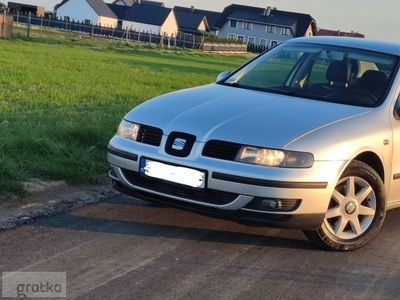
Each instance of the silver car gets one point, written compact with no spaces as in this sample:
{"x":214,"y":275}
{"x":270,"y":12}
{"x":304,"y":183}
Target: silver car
{"x":305,"y":136}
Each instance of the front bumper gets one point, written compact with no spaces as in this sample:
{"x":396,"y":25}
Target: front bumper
{"x":232,"y":191}
{"x":242,"y":216}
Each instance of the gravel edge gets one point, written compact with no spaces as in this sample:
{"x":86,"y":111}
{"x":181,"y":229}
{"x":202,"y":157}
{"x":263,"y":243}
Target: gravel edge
{"x":50,"y":201}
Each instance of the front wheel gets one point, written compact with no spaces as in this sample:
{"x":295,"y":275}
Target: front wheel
{"x":356,"y":210}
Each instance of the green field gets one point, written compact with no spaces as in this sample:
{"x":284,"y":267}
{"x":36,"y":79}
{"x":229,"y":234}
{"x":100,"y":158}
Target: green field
{"x":61,"y":102}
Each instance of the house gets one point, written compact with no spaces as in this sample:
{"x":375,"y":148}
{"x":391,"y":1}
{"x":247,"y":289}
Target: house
{"x":87,"y":11}
{"x":131,"y":2}
{"x":21,"y":8}
{"x":327,"y":32}
{"x":152,"y":19}
{"x":190,"y":22}
{"x":263,"y":26}
{"x":211,"y":16}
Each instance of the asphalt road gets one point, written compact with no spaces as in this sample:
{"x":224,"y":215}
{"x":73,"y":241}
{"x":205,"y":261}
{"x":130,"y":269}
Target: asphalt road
{"x":127,"y":249}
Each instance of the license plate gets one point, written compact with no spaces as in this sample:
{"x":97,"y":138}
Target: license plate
{"x":181,"y":175}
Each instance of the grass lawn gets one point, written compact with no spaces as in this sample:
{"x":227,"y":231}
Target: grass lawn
{"x":61,"y":102}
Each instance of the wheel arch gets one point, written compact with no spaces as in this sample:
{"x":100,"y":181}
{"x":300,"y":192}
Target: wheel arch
{"x":373,"y":160}
{"x":334,"y":235}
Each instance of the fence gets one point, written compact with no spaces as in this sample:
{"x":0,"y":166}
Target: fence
{"x":181,"y":40}
{"x":224,"y":47}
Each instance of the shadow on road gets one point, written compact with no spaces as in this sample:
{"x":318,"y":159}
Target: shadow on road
{"x":161,"y":226}
{"x":129,"y":216}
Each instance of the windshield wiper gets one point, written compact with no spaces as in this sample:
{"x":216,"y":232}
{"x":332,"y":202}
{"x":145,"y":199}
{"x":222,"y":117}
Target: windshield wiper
{"x":231,"y":83}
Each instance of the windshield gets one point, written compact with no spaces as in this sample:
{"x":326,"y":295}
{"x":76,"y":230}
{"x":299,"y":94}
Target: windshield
{"x":321,"y":72}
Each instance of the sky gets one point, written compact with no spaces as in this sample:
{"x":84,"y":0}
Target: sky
{"x":375,"y":19}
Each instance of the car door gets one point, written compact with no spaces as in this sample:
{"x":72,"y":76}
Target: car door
{"x":394,"y":194}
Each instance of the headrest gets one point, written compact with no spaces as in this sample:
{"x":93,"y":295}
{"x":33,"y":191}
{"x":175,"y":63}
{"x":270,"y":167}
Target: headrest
{"x":339,"y":72}
{"x":373,"y":79}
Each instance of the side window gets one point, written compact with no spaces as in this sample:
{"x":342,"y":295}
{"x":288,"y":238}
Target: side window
{"x":397,"y":109}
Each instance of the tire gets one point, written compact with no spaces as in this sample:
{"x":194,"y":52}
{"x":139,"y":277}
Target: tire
{"x":356,"y":210}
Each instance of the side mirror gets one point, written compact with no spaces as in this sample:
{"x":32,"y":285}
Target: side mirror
{"x":222,"y":75}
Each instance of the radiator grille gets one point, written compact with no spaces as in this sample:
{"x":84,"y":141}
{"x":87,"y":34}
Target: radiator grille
{"x":221,"y":150}
{"x":149,"y":135}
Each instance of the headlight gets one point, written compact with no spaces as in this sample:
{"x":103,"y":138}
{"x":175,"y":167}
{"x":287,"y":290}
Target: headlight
{"x":128,"y":130}
{"x":274,"y":158}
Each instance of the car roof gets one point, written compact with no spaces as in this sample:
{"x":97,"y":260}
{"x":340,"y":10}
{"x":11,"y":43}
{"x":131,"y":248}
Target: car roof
{"x":366,"y":44}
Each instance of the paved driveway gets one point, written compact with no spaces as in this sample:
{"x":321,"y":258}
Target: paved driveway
{"x":128,"y":249}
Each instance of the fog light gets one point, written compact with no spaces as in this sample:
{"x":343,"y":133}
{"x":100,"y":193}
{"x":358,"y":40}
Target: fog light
{"x":270,"y":204}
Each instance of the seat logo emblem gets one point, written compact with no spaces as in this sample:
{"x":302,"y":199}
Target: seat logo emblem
{"x":179,"y":144}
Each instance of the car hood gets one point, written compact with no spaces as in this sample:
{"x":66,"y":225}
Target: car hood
{"x":239,"y":115}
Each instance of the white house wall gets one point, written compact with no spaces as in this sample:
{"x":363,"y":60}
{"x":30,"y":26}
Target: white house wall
{"x":107,"y":22}
{"x":309,"y":31}
{"x":77,"y":10}
{"x":202,"y":26}
{"x":170,"y":26}
{"x":141,"y":27}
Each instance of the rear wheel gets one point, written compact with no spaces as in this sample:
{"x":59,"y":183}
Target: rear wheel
{"x":356,"y":210}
